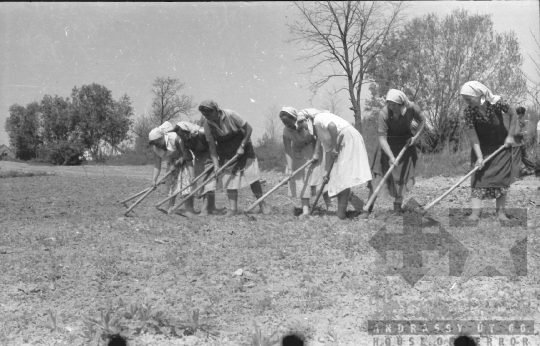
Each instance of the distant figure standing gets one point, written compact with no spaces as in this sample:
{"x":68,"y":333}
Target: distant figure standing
{"x":519,"y":151}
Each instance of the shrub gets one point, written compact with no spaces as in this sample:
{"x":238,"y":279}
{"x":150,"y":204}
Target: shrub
{"x":270,"y":154}
{"x":18,"y":174}
{"x":132,"y":157}
{"x":64,"y":153}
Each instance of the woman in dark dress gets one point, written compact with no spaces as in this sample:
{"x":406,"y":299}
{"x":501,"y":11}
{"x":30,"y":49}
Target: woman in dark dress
{"x":487,"y":133}
{"x":194,"y":141}
{"x":519,"y":151}
{"x":395,"y":133}
{"x":228,"y":134}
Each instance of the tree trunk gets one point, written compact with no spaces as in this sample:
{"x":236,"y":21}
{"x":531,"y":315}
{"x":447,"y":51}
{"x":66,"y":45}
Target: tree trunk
{"x":358,"y":118}
{"x":356,"y":110}
{"x":355,"y":99}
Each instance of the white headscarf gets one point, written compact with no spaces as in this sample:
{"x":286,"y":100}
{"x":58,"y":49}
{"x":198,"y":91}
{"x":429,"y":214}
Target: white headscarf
{"x":398,"y":97}
{"x":189,"y":127}
{"x":309,"y":113}
{"x":291,"y":111}
{"x":160,"y":131}
{"x":477,"y":89}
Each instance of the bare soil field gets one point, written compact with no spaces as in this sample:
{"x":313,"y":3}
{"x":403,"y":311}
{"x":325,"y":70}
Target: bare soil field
{"x":73,"y":268}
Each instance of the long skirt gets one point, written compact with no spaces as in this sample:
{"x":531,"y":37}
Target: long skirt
{"x":495,"y":177}
{"x":179,"y":179}
{"x":300,"y":186}
{"x":351,"y":167}
{"x":402,"y":179}
{"x":243,"y":178}
{"x":201,"y":161}
{"x":517,"y":157}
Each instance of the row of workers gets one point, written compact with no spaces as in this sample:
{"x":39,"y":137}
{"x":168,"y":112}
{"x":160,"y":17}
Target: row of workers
{"x":311,"y":134}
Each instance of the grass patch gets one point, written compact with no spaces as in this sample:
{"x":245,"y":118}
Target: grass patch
{"x":446,"y":163}
{"x":19,"y":174}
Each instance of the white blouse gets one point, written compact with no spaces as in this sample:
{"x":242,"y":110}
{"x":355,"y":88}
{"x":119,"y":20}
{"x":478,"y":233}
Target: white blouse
{"x":321,"y":122}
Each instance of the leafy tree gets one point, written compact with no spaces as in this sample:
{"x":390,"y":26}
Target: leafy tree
{"x":118,"y":124}
{"x":431,"y":58}
{"x":99,"y":118}
{"x":346,"y":36}
{"x":23,"y":128}
{"x":61,"y":145}
{"x":168,"y":105}
{"x":57,"y":121}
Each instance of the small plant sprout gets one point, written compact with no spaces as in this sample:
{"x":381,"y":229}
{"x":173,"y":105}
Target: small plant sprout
{"x":89,"y":331}
{"x":195,"y":323}
{"x":259,"y":339}
{"x":53,"y":316}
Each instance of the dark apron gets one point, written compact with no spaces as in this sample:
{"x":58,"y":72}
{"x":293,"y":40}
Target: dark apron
{"x":405,"y":170}
{"x":197,"y":144}
{"x":497,"y":172}
{"x":227,"y":146}
{"x":517,"y":158}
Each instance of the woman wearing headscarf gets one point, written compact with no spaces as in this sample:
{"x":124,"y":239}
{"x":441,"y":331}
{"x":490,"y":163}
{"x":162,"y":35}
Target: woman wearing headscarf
{"x":194,"y":141}
{"x":228,"y":134}
{"x":487,"y":133}
{"x":519,"y":150}
{"x":351,"y":166}
{"x":395,"y":133}
{"x":168,"y":146}
{"x":299,"y":142}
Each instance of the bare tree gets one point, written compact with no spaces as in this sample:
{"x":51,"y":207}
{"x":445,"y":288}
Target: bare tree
{"x":332,"y":103}
{"x":272,"y":124}
{"x":347,"y":36}
{"x":141,"y":128}
{"x":534,"y":86}
{"x":168,"y":105}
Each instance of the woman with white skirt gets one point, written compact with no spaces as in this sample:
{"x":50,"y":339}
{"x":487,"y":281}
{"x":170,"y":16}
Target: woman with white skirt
{"x":351,"y":166}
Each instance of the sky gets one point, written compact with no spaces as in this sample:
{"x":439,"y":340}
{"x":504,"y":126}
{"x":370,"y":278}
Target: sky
{"x":234,"y":53}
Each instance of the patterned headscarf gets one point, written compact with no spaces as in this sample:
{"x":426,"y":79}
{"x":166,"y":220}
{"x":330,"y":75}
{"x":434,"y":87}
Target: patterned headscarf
{"x":477,"y":89}
{"x":160,"y":131}
{"x":398,"y":97}
{"x":186,"y":126}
